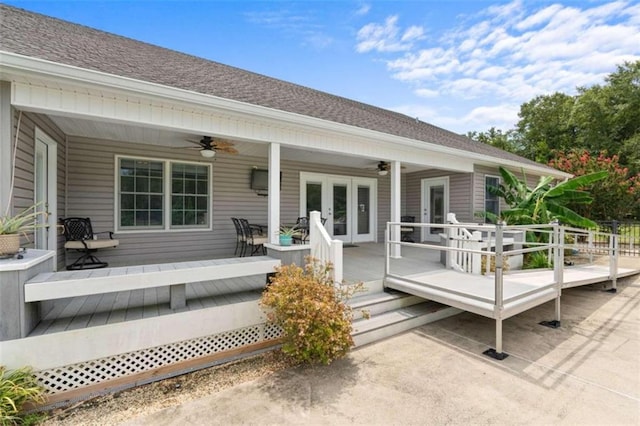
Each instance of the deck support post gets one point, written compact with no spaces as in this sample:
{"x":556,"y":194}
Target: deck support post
{"x":557,"y":243}
{"x":178,"y":296}
{"x":498,"y":303}
{"x":497,"y":352}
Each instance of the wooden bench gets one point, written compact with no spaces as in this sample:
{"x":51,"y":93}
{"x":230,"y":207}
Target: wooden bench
{"x":59,"y":285}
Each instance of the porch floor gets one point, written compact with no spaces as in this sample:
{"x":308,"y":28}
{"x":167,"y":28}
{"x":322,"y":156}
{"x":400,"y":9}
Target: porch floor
{"x":363,"y":262}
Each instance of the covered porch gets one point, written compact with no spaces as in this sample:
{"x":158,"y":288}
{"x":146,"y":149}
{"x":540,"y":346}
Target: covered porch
{"x":361,"y":263}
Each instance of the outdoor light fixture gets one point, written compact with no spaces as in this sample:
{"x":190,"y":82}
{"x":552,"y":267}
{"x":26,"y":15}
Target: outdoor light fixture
{"x":207,"y":153}
{"x":383,"y":168}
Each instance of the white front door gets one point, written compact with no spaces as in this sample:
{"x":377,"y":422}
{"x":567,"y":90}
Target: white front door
{"x":435,"y":205}
{"x":347,"y":204}
{"x":45,"y":191}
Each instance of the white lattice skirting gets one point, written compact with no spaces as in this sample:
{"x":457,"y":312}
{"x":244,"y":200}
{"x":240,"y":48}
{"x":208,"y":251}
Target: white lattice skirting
{"x":76,"y":376}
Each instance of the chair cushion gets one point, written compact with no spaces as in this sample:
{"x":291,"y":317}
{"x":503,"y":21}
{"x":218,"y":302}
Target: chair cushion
{"x":260,"y":240}
{"x":91,"y":244}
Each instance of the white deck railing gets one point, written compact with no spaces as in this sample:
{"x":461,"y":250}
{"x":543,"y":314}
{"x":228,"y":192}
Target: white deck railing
{"x":461,"y":238}
{"x":551,"y":238}
{"x":323,"y":247}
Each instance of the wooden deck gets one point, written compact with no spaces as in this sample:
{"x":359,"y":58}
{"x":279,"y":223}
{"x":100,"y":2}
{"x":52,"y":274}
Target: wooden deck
{"x":95,"y":310}
{"x":522,"y":290}
{"x":364,"y":262}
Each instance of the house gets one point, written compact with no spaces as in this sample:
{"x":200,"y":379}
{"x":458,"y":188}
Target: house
{"x":97,"y":125}
{"x":93,"y":102}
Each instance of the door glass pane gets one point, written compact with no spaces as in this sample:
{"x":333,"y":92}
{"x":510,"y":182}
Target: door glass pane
{"x":340,"y":218}
{"x":436,"y":203}
{"x":364,"y":209}
{"x":314,"y":197}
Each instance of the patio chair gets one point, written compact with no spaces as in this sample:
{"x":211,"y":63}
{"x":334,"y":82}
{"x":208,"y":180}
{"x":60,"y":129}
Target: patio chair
{"x":79,"y":236}
{"x":302,"y":235}
{"x":254,"y":241}
{"x":240,"y":240}
{"x":406,"y":232}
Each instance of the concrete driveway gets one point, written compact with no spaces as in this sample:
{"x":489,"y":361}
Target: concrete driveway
{"x":586,"y":372}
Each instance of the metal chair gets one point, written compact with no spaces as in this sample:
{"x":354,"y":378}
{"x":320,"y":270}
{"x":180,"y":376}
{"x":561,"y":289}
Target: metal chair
{"x":240,"y":240}
{"x":79,"y":236}
{"x":406,"y":232}
{"x":302,"y":234}
{"x":253,"y":240}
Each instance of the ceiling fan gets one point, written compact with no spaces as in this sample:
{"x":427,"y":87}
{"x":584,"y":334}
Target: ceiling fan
{"x":208,"y":146}
{"x":383,"y":168}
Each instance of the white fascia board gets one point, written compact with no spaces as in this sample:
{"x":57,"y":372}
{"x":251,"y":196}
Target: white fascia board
{"x":15,"y":66}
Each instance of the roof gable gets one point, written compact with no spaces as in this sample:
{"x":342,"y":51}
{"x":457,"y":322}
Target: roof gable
{"x":35,"y":35}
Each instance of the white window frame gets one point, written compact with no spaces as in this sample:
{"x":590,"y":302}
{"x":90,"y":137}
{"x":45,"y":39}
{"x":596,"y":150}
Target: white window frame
{"x":485,"y":195}
{"x":166,"y":176}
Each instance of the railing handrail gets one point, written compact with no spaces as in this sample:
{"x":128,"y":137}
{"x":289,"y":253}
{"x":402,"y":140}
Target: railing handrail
{"x":323,"y":247}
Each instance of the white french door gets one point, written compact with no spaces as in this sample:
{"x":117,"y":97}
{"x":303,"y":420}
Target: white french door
{"x":44,"y":190}
{"x":435,"y":205}
{"x":347,"y":204}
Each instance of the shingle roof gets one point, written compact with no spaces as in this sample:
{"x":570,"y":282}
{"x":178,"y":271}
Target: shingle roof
{"x":39,"y":36}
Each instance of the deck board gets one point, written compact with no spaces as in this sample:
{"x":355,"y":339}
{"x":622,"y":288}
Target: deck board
{"x":362,"y":263}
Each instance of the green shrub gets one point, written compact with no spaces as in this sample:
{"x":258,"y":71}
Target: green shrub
{"x":17,"y":388}
{"x":537,"y":260}
{"x":312,"y":312}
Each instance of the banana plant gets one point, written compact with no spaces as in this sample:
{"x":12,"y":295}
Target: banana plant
{"x":545,"y":202}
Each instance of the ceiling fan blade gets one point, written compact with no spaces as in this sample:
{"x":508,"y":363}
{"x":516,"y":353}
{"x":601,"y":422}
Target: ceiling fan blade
{"x":227,"y":150}
{"x":186,"y":147}
{"x":221,"y":144}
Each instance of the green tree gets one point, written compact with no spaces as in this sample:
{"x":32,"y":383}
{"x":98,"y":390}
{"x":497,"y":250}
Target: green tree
{"x":599,"y":118}
{"x":545,"y":202}
{"x":545,"y":125}
{"x":508,"y":141}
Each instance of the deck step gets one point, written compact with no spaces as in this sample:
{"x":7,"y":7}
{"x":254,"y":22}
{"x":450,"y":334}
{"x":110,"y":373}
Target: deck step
{"x":381,"y":302}
{"x":389,"y":323}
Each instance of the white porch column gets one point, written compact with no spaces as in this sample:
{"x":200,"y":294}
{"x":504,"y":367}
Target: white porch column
{"x":274,"y":193}
{"x":6,"y":146}
{"x":395,"y":207}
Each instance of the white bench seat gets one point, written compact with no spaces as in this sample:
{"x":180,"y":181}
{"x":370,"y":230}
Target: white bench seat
{"x":59,"y":285}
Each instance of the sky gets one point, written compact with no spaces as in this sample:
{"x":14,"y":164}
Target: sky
{"x":462,"y":65}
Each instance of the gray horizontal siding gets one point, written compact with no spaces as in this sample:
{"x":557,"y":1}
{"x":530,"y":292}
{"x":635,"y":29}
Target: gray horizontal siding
{"x":479,"y":185}
{"x":91,"y":166}
{"x":23,"y":193}
{"x":459,"y":193}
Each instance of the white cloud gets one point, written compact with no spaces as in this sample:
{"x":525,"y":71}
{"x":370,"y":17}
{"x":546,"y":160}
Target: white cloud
{"x":363,"y":9}
{"x":387,"y":37}
{"x":538,"y":18}
{"x":499,"y":116}
{"x":427,"y":93}
{"x":507,"y":54}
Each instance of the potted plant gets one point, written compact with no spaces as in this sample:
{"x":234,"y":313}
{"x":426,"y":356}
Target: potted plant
{"x":286,"y":234}
{"x":12,"y":226}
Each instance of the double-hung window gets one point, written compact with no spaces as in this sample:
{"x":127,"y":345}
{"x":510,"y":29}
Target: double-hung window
{"x":159,"y":195}
{"x":491,"y":201}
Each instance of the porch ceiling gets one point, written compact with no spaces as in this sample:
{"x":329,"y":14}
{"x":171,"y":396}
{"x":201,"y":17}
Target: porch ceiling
{"x":153,"y":136}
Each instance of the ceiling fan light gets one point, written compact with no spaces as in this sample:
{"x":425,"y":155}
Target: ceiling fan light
{"x":207,"y":153}
{"x":382,"y":172}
